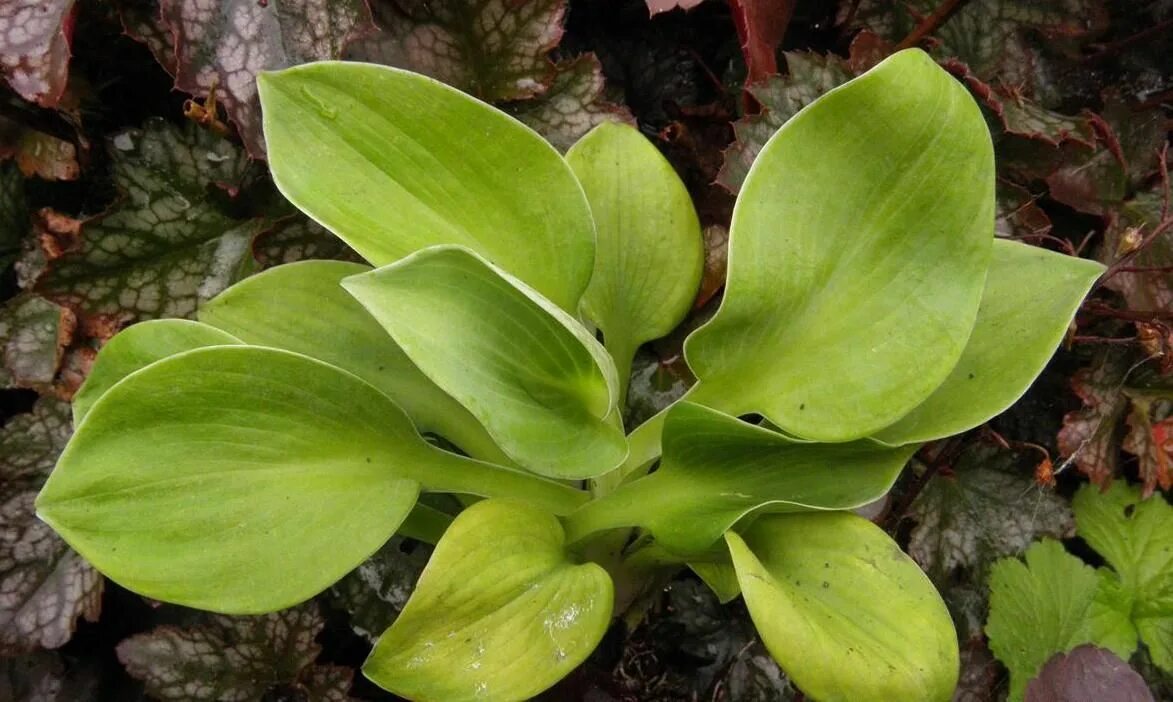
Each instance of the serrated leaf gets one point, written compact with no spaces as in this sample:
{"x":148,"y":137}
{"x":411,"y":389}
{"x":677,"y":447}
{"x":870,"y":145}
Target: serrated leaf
{"x":375,"y":592}
{"x":224,"y":46}
{"x":34,"y":48}
{"x":1090,"y":437}
{"x":224,"y":658}
{"x":142,"y":21}
{"x":1087,"y":673}
{"x":1144,"y":289}
{"x":807,"y":77}
{"x":499,"y":189}
{"x":843,"y":610}
{"x":167,"y":246}
{"x":493,"y":49}
{"x":805,"y":284}
{"x":539,"y":383}
{"x":1152,"y":444}
{"x":985,"y":508}
{"x":649,"y":253}
{"x":573,"y":105}
{"x":1135,"y":536}
{"x":44,"y":586}
{"x":138,"y":347}
{"x":1029,"y":300}
{"x":501,"y":611}
{"x":33,"y":335}
{"x":302,"y":308}
{"x":717,"y":469}
{"x":1043,"y":607}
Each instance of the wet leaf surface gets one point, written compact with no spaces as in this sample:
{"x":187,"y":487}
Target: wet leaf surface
{"x":374,"y":593}
{"x":44,"y":586}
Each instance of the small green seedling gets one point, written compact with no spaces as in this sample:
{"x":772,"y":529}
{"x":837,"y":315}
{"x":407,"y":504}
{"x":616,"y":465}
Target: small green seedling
{"x":244,"y":462}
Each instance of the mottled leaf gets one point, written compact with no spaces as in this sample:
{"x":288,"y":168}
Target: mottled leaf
{"x":493,"y":49}
{"x":1152,"y":444}
{"x":573,"y":105}
{"x":33,"y":335}
{"x":223,"y":46}
{"x":1087,"y":673}
{"x":1143,"y":290}
{"x":299,"y":239}
{"x":1044,"y":607}
{"x":36,"y":153}
{"x":1091,"y":436}
{"x":224,"y":659}
{"x":986,"y":507}
{"x":808,"y":76}
{"x":44,"y":586}
{"x":374,"y":593}
{"x":167,"y":245}
{"x":142,"y":20}
{"x":34,"y":47}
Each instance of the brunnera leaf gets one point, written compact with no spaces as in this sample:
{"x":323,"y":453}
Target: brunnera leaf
{"x":34,"y":47}
{"x":496,"y":50}
{"x":33,"y":335}
{"x":348,"y":148}
{"x":375,"y":592}
{"x":226,"y":658}
{"x":167,"y":245}
{"x":223,"y":46}
{"x":44,"y":586}
{"x":1087,"y":673}
{"x":879,"y":230}
{"x":843,"y":610}
{"x":501,"y":612}
{"x":536,"y":379}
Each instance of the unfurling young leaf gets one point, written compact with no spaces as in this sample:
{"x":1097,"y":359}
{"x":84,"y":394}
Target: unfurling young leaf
{"x":501,"y":612}
{"x":844,"y":611}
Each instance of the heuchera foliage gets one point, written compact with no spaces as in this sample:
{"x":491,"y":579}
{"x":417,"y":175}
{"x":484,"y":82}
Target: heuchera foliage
{"x":245,"y":462}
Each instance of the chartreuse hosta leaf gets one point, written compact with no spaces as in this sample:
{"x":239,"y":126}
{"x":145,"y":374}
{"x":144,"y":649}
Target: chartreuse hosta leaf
{"x":302,"y":307}
{"x":716,"y":469}
{"x":1030,"y":297}
{"x":858,"y":252}
{"x":843,"y":610}
{"x":347,"y":145}
{"x":536,"y":379}
{"x":649,"y":252}
{"x":500,"y":613}
{"x":243,"y":479}
{"x":138,"y":347}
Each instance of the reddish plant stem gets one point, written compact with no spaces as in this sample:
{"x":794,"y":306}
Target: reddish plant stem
{"x":931,"y":23}
{"x":1109,"y":50}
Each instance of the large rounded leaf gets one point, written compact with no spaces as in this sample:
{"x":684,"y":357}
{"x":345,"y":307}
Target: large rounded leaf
{"x":393,"y":162}
{"x":536,"y":379}
{"x":844,"y":611}
{"x":858,"y":252}
{"x":1030,"y":297}
{"x":139,"y":346}
{"x":717,"y":469}
{"x":243,"y":479}
{"x":302,"y":307}
{"x":500,"y":613}
{"x":649,"y":253}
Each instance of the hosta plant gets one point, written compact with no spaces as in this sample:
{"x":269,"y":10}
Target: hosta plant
{"x":244,"y":462}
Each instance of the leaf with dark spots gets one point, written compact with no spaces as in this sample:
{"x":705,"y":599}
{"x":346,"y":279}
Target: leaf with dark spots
{"x":1091,"y":436}
{"x":761,"y":24}
{"x":223,"y":45}
{"x":229,"y":658}
{"x":34,"y":47}
{"x":1087,"y":673}
{"x":44,"y":586}
{"x":167,"y":245}
{"x":142,"y":20}
{"x":33,"y":335}
{"x":495,"y":50}
{"x":298,"y":238}
{"x":375,"y":592}
{"x":985,"y":508}
{"x":808,"y":76}
{"x":36,"y":153}
{"x":573,"y":105}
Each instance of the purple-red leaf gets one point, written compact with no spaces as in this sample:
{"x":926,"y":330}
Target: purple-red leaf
{"x":1087,"y":673}
{"x":34,"y":47}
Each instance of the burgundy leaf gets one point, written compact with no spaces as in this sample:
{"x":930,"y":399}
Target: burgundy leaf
{"x":761,"y":24}
{"x":34,"y":47}
{"x":1087,"y":673}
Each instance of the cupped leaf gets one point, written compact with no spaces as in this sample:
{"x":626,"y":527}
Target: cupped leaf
{"x":649,"y":252}
{"x":536,"y":379}
{"x":232,"y":461}
{"x":844,"y":611}
{"x":348,"y":147}
{"x":717,"y":469}
{"x":301,"y":307}
{"x":138,"y":347}
{"x":858,"y":252}
{"x":501,"y":612}
{"x":1030,"y":297}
